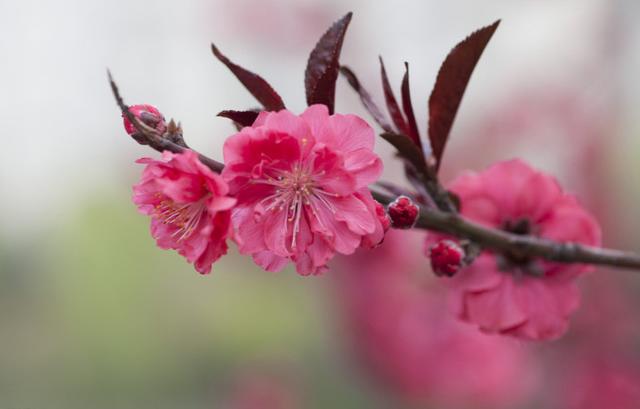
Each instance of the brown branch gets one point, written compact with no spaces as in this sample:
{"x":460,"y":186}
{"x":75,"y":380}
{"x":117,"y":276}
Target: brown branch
{"x":502,"y":241}
{"x":149,"y":136}
{"x":439,"y":220}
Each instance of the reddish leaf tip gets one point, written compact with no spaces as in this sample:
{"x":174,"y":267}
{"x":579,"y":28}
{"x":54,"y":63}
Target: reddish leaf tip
{"x":242,"y":118}
{"x":322,"y":69}
{"x":450,"y":86}
{"x":255,"y":84}
{"x":391,"y":102}
{"x":407,"y":107}
{"x":366,"y":99}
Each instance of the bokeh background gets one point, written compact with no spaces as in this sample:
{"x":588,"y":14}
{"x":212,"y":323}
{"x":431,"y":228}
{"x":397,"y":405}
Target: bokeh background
{"x":93,"y":315}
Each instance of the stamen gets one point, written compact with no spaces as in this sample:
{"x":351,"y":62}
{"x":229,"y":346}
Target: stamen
{"x":185,"y":217}
{"x":295,"y":190}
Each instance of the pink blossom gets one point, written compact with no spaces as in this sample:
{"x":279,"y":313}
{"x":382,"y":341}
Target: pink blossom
{"x":301,"y":184}
{"x":403,"y":333}
{"x":403,"y":212}
{"x":447,"y":257}
{"x":530,"y":299}
{"x":189,"y":207}
{"x":375,"y":239}
{"x":148,"y":114}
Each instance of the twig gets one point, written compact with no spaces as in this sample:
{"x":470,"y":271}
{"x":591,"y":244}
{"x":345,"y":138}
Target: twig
{"x":441,"y":221}
{"x":149,"y":136}
{"x":525,"y":245}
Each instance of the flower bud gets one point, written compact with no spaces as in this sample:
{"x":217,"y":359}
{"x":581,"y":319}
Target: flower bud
{"x":373,"y":240}
{"x":447,"y":257}
{"x":403,"y":213}
{"x":147,"y":114}
{"x":383,"y":217}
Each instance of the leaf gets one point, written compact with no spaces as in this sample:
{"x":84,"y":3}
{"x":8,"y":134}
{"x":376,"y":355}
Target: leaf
{"x":407,"y":107}
{"x":366,"y":99}
{"x":392,"y":103}
{"x":256,"y":85}
{"x":244,"y":118}
{"x":451,"y":83}
{"x":406,"y":149}
{"x":322,"y":68}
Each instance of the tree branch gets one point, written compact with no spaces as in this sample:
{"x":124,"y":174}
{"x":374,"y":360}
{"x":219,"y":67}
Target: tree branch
{"x":149,"y":136}
{"x":438,"y":220}
{"x":525,"y":245}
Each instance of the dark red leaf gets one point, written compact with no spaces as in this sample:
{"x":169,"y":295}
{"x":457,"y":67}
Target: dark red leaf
{"x":256,"y":85}
{"x":392,"y":103}
{"x":406,"y":149}
{"x":366,"y":99}
{"x":322,"y":68}
{"x":407,"y":107}
{"x":451,"y":83}
{"x":244,"y":118}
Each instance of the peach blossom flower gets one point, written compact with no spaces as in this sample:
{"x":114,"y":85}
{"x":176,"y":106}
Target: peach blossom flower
{"x":514,"y":295}
{"x":301,"y":184}
{"x":189,"y":207}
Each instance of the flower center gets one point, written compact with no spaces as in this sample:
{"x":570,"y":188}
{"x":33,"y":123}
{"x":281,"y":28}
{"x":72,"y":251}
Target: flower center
{"x":516,"y":262}
{"x":521,"y":227}
{"x":294,"y":191}
{"x":184,"y":217}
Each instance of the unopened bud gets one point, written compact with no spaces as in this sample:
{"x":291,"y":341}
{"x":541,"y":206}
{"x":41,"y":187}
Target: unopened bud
{"x":147,"y":114}
{"x":447,"y":257}
{"x":374,"y":240}
{"x":403,"y":213}
{"x":383,"y":217}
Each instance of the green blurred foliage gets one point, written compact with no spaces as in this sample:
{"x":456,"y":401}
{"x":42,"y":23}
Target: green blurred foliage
{"x":93,"y":314}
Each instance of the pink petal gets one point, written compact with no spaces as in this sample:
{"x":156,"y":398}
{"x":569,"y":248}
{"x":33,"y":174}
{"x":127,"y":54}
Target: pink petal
{"x":355,"y":214}
{"x":481,"y":275}
{"x":316,"y":116}
{"x":270,"y":261}
{"x":364,"y":165}
{"x":346,"y":133}
{"x":275,"y":232}
{"x":571,"y":224}
{"x":547,"y":308}
{"x":292,"y":125}
{"x":495,"y":310}
{"x":250,"y":234}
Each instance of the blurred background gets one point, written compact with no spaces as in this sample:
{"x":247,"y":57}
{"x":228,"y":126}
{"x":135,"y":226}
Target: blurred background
{"x":93,"y":315}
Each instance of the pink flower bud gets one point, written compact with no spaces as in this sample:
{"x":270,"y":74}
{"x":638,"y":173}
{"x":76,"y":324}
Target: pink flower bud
{"x":147,"y":114}
{"x":403,"y":213}
{"x":383,"y":217}
{"x":447,"y":257}
{"x":377,"y":237}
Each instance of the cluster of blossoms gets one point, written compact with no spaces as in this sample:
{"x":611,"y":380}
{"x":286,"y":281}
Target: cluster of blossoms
{"x":295,"y":188}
